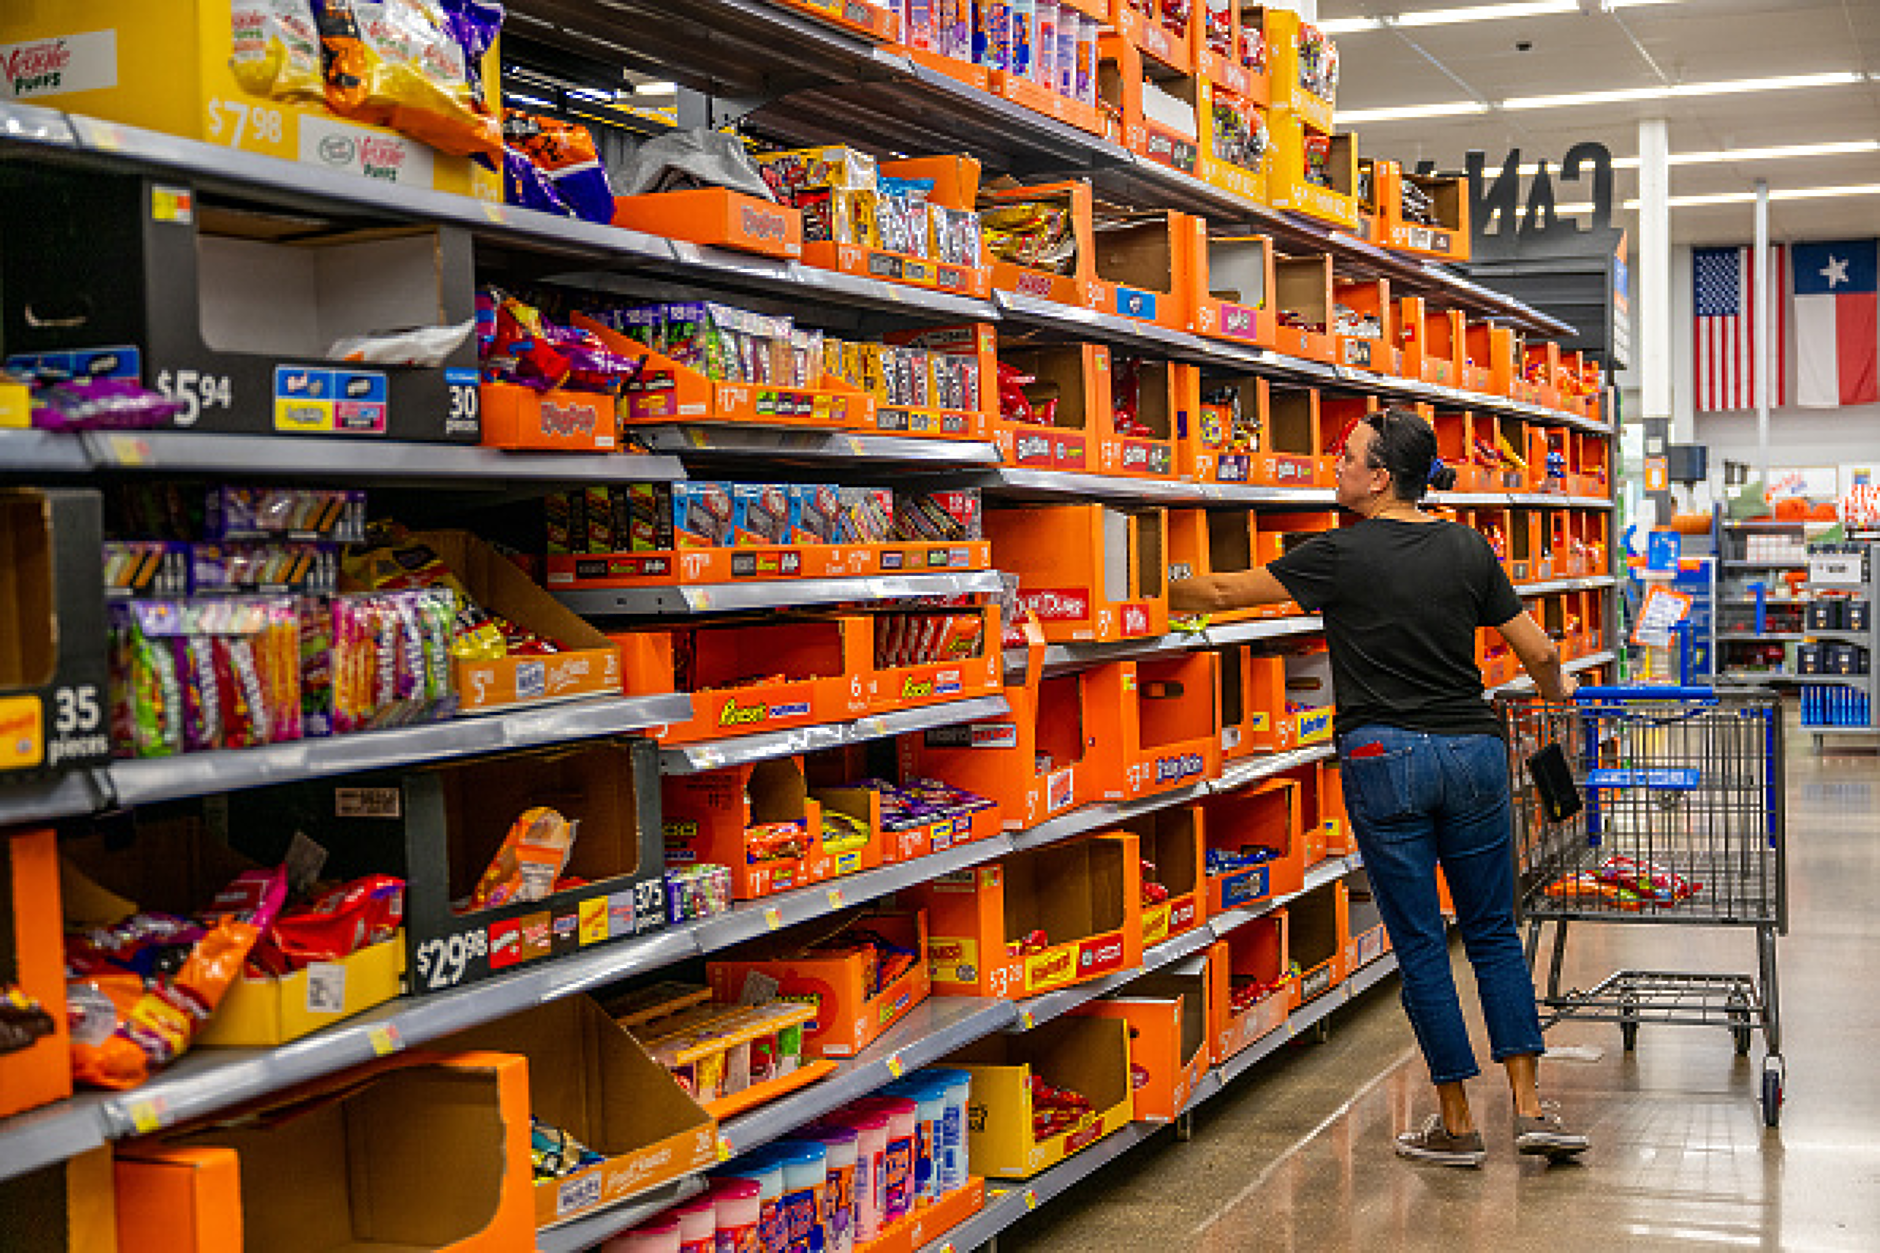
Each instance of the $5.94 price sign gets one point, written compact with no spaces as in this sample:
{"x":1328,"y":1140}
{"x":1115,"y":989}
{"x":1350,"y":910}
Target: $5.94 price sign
{"x":197,"y":392}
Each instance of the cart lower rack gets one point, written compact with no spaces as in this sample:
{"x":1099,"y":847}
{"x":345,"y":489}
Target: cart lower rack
{"x":1678,"y":821}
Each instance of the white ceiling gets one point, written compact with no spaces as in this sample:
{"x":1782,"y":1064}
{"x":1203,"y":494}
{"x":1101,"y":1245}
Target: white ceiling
{"x":1690,"y":41}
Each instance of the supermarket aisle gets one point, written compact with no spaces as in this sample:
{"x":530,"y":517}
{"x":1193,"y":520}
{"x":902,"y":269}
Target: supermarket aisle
{"x":1293,"y":1159}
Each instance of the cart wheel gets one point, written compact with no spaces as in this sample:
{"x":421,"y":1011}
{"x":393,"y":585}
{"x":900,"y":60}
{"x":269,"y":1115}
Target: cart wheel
{"x":1772,"y":1091}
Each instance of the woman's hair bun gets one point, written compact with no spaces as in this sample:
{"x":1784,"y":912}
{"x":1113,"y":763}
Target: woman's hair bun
{"x":1444,"y":479}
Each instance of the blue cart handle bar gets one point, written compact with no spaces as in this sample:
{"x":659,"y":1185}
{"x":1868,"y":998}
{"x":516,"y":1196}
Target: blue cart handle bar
{"x":1643,"y":692}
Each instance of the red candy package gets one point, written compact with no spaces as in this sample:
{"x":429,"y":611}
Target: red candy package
{"x":349,"y":918}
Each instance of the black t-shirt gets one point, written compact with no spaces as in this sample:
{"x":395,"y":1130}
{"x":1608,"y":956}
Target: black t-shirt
{"x":1402,"y":602}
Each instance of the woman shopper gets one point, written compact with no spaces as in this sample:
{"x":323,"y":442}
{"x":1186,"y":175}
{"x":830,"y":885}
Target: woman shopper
{"x":1425,"y":769}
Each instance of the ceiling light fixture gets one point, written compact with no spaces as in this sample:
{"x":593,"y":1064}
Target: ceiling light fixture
{"x":1704,"y":199}
{"x":1676,"y":91}
{"x":1727,"y":156}
{"x":1681,"y":91}
{"x":1474,"y":13}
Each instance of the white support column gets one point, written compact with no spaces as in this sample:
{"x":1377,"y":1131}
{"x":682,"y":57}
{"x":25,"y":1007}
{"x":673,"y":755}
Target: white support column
{"x":1763,"y":357}
{"x":1654,"y":272}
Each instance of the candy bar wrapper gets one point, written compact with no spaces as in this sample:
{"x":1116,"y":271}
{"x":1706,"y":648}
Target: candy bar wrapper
{"x":247,"y":567}
{"x":145,"y":569}
{"x":651,"y":518}
{"x":943,"y":517}
{"x":962,"y":636}
{"x":599,"y":510}
{"x":763,"y":514}
{"x":147,"y":705}
{"x":557,"y":537}
{"x":294,"y":513}
{"x":703,"y":515}
{"x":890,"y":629}
{"x":867,"y":515}
{"x":816,"y":513}
{"x":790,"y":174}
{"x":807,"y":357}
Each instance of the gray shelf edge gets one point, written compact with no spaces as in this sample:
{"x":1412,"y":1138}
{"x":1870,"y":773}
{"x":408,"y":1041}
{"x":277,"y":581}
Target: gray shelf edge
{"x":677,"y":439}
{"x":680,"y":599}
{"x":362,"y":458}
{"x":229,"y":770}
{"x":1253,"y":769}
{"x":717,"y":754}
{"x":52,"y":1133}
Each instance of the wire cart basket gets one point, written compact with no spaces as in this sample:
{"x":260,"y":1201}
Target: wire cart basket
{"x":1680,"y":822}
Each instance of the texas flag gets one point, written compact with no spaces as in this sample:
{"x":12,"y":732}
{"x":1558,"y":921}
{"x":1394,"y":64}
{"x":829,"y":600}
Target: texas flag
{"x":1837,"y":333}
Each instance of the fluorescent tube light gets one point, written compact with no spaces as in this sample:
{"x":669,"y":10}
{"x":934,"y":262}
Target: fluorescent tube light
{"x":1680,"y":91}
{"x":1475,"y":13}
{"x":1726,"y":156}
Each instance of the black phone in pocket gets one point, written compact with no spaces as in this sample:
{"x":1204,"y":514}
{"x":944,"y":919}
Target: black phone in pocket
{"x":1553,"y":783}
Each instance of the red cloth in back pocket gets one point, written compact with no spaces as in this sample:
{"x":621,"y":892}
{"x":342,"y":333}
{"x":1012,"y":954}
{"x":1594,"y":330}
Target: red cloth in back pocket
{"x":1367,"y":750}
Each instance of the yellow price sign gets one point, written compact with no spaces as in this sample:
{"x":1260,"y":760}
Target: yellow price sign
{"x":1031,"y":1199}
{"x":835,"y":898}
{"x":895,"y":1066}
{"x":385,"y":1040}
{"x":147,"y":1116}
{"x":773,"y":918}
{"x":725,"y":1152}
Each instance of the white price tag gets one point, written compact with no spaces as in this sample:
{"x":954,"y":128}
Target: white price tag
{"x":326,"y":988}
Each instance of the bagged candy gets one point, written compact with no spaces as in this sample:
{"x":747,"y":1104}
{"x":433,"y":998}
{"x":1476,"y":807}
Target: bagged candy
{"x":351,"y":917}
{"x":529,"y":862}
{"x":554,"y":1154}
{"x":345,"y":66}
{"x":138,"y":996}
{"x":566,"y":155}
{"x":417,"y":82}
{"x":275,"y":48}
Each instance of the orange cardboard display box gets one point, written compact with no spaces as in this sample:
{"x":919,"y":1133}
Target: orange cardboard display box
{"x":552,"y":421}
{"x":1234,"y":140}
{"x":1489,"y":355}
{"x":1303,"y":285}
{"x":817,"y":671}
{"x":1240,"y":300}
{"x":67,"y":1207}
{"x":1266,"y":815}
{"x":666,"y":391}
{"x":1459,"y":434}
{"x":1279,"y":534}
{"x":832,"y":774}
{"x":1445,"y":236}
{"x":1077,"y":286}
{"x":1369,"y":305}
{"x":1540,"y":370}
{"x":850,"y":1013}
{"x":1309,"y":694}
{"x":710,"y":817}
{"x":1317,"y":924}
{"x":1169,"y":724}
{"x":1220,"y":52}
{"x":1339,"y":838}
{"x":588,"y":665}
{"x":1125,"y":80}
{"x":1168,"y":43}
{"x":1213,"y":541}
{"x":977,"y":340}
{"x":716,"y":217}
{"x":588,"y":1076}
{"x":1091,"y":573}
{"x":1253,"y":955}
{"x":1150,"y":402}
{"x":1173,"y":847}
{"x":1494,"y":658}
{"x":1156,"y":264}
{"x":1089,"y":1056}
{"x":1075,"y":379}
{"x":1167,"y":1017}
{"x":1291,"y":455}
{"x":1309,"y":777}
{"x":1222,"y":443}
{"x":1289,"y":186}
{"x":1523,"y":545}
{"x":32,"y":956}
{"x":1047,"y":757}
{"x":1438,"y":335}
{"x":1084,"y":896}
{"x":925,"y":1224}
{"x":1253,"y":702}
{"x":425,"y":1151}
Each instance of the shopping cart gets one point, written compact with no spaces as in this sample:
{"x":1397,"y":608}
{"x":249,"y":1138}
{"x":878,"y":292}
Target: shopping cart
{"x":1681,"y":823}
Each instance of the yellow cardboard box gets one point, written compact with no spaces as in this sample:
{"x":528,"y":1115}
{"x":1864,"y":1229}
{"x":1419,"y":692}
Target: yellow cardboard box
{"x":263,"y":1013}
{"x":165,"y":67}
{"x":1085,"y":1055}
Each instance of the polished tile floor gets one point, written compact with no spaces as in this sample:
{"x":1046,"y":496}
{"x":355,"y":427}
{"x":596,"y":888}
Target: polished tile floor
{"x":1298,"y":1155}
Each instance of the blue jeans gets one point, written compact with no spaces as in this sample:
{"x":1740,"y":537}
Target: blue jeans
{"x":1421,"y":801}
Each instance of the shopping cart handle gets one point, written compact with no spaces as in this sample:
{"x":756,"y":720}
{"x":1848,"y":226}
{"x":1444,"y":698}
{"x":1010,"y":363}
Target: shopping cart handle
{"x":1645,"y":692}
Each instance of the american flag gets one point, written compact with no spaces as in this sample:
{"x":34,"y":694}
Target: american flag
{"x":1723,"y":297}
